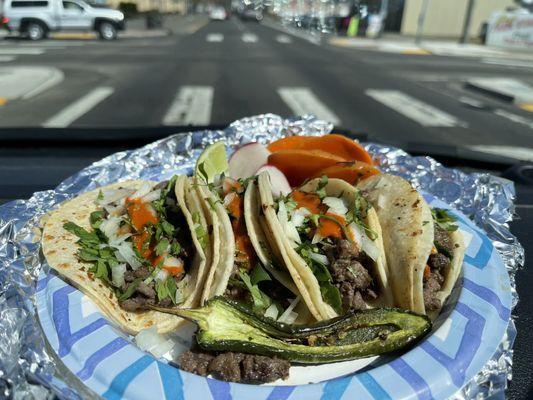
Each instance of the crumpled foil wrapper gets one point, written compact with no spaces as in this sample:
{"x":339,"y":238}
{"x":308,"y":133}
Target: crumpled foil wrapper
{"x":28,"y":370}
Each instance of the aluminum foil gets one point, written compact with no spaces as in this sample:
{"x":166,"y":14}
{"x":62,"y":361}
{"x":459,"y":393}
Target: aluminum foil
{"x":28,"y":370}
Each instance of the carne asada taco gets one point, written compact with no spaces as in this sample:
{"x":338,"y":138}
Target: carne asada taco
{"x":132,"y":245}
{"x":247,"y":269}
{"x":330,"y":239}
{"x":424,"y":247}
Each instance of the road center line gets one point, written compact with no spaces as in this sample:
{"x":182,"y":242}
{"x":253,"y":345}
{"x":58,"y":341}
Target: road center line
{"x":7,"y":58}
{"x":514,"y":118}
{"x":249,"y":38}
{"x":81,"y":106}
{"x":192,"y":105}
{"x":214,"y":37}
{"x":283,"y":39}
{"x":416,"y":110}
{"x":25,"y":51}
{"x":302,"y":101}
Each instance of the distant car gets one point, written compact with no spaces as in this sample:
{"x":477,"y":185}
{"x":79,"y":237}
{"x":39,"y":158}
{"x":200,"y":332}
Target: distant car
{"x":218,"y":14}
{"x":251,"y":14}
{"x":34,"y":19}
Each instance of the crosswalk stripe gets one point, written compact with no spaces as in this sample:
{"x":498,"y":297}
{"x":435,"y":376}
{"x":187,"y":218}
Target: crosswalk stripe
{"x":283,"y":39}
{"x":249,"y":38}
{"x":508,"y":63}
{"x":214,"y":37}
{"x":7,"y":58}
{"x":22,"y":51}
{"x":191,"y":105}
{"x":418,"y":111}
{"x":80,"y":107}
{"x":302,"y":101}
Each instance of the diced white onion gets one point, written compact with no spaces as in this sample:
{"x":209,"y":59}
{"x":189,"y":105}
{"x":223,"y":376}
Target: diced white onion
{"x":317,"y":238}
{"x":381,"y":201}
{"x":364,"y":242}
{"x":288,"y":315}
{"x":113,"y":195}
{"x":151,"y":341}
{"x":229,"y":198}
{"x":117,"y":274}
{"x":115,"y":211}
{"x":272,"y":312}
{"x":336,"y":206}
{"x":110,"y":227}
{"x":152,"y":196}
{"x":380,"y":183}
{"x":282,"y":214}
{"x":161,"y":275}
{"x":319,"y":258}
{"x":288,"y":228}
{"x":127,"y":255}
{"x":142,"y":191}
{"x":298,"y":216}
{"x":182,"y":289}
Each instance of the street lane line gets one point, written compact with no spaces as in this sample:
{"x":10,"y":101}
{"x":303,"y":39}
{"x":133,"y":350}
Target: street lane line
{"x":80,"y":107}
{"x":7,"y":58}
{"x":521,"y":153}
{"x":283,"y":39}
{"x":214,"y":37}
{"x":508,"y":63}
{"x":414,"y":109}
{"x":249,"y":38}
{"x":192,"y":105}
{"x":22,"y":51}
{"x":514,"y":118}
{"x":302,"y":101}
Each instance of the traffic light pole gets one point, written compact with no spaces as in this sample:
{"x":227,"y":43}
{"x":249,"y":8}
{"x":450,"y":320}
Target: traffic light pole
{"x":468,"y":19}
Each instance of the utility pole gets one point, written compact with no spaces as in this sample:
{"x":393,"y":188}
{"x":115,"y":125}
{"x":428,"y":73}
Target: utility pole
{"x":468,"y":19}
{"x":421,"y":19}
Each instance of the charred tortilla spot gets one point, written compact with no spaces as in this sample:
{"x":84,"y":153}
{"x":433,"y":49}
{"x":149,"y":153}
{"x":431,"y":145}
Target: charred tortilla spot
{"x":416,"y":203}
{"x":63,"y":265}
{"x":51,"y":252}
{"x":48,"y":237}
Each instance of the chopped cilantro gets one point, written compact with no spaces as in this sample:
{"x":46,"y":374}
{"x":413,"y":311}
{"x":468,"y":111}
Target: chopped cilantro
{"x":162,"y":246}
{"x":132,"y":287}
{"x":96,"y":218}
{"x":444,"y":219}
{"x":260,"y":299}
{"x":321,"y":189}
{"x":100,"y":196}
{"x":175,"y":248}
{"x":258,"y":274}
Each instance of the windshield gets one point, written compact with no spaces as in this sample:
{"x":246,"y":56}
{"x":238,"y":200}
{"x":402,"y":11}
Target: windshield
{"x":397,"y":71}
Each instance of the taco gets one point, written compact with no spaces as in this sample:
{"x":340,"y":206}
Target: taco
{"x":248,"y":269}
{"x":424,"y":247}
{"x":132,"y":245}
{"x":331,"y":242}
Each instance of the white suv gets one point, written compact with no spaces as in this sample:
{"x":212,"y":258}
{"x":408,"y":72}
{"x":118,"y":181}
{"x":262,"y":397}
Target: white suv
{"x":35,"y":18}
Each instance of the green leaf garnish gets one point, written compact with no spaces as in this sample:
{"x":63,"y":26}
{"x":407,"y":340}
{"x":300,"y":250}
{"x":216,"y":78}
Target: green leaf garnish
{"x":132,"y":287}
{"x":444,"y":219}
{"x":321,"y":189}
{"x":258,"y":274}
{"x":162,"y":247}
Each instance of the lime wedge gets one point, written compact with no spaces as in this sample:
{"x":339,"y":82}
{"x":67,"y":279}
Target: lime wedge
{"x":212,"y":162}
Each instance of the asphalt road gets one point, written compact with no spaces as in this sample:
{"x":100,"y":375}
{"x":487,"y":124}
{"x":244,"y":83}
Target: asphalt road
{"x":217,"y":72}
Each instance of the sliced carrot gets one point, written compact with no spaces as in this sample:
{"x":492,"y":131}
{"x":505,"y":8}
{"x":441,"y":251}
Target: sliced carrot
{"x":329,"y":228}
{"x":310,"y":201}
{"x":351,"y":172}
{"x":299,"y":165}
{"x":338,"y":145}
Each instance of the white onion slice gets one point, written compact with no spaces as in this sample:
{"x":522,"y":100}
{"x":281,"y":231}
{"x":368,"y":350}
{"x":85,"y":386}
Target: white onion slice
{"x":317,"y":238}
{"x":336,"y":206}
{"x":161,"y":275}
{"x":319,"y":258}
{"x":272,"y":312}
{"x":381,"y":201}
{"x":117,"y":274}
{"x":364,"y":242}
{"x":113,"y":195}
{"x":288,"y":315}
{"x":152,"y":196}
{"x":151,"y":341}
{"x":298,"y":216}
{"x":142,"y":191}
{"x":127,"y":255}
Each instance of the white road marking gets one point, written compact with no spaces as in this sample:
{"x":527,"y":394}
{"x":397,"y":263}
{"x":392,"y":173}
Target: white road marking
{"x":249,"y":38}
{"x":514,"y":117}
{"x":508,"y":63}
{"x":20,"y":50}
{"x":80,"y":107}
{"x":302,"y":101}
{"x":55,"y":77}
{"x":283,"y":39}
{"x":214,"y":37}
{"x":7,"y":58}
{"x":520,"y":153}
{"x":192,"y":105}
{"x":414,"y":109}
{"x":25,"y":82}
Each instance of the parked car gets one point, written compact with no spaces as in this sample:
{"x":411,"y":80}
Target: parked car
{"x":250,"y":14}
{"x":34,"y":19}
{"x":218,"y":14}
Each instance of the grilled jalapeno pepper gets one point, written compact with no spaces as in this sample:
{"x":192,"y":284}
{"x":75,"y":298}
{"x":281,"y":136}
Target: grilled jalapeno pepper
{"x":225,"y":325}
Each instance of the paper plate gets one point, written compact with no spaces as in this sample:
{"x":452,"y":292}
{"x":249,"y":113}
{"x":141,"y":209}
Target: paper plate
{"x":465,"y":336}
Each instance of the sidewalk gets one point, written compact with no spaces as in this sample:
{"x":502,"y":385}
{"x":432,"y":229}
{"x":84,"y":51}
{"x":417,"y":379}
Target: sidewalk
{"x":404,"y":45}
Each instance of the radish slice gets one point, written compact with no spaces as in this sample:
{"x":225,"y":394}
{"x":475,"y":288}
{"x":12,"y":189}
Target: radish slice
{"x":247,"y":160}
{"x":278,"y":180}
